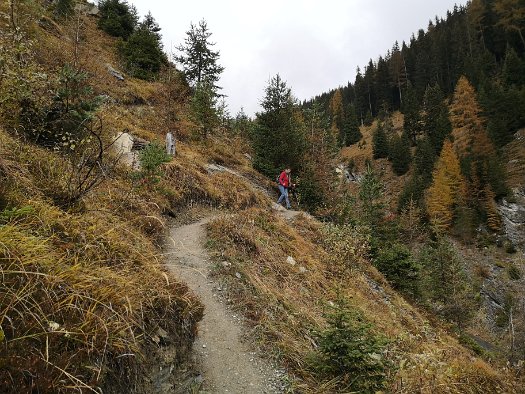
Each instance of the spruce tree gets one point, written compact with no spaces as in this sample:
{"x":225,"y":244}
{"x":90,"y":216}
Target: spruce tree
{"x":199,"y":62}
{"x":380,"y":142}
{"x":424,"y":159}
{"x":117,"y":18}
{"x":64,"y":8}
{"x":203,"y":110}
{"x":352,"y":134}
{"x":143,"y":52}
{"x":278,"y":139}
{"x":399,"y":154}
{"x":513,"y":73}
{"x":436,"y":122}
{"x":411,"y":110}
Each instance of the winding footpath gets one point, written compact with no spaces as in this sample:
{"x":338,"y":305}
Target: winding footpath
{"x":228,"y":365}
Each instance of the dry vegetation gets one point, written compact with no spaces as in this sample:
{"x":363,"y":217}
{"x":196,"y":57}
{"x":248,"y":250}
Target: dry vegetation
{"x":83,"y":289}
{"x":284,"y":303}
{"x":361,"y":153}
{"x":81,"y":293}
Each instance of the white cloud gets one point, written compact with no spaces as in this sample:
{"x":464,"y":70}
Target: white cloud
{"x":314,"y":45}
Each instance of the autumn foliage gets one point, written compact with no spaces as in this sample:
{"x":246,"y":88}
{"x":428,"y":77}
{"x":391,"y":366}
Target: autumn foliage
{"x":447,"y":191}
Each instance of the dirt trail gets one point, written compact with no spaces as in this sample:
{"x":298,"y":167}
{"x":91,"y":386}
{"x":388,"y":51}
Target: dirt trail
{"x":228,"y":365}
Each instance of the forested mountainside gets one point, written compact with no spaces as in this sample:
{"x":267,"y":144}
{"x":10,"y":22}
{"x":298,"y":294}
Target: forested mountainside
{"x":482,"y":41}
{"x":350,"y":295}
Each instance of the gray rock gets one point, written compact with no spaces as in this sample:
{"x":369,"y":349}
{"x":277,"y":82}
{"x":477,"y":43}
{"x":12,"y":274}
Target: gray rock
{"x":277,"y":207}
{"x":115,"y":73}
{"x":88,"y":9}
{"x":513,"y":215}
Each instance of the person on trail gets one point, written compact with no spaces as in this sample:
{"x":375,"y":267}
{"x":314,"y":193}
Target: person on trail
{"x":285,"y":182}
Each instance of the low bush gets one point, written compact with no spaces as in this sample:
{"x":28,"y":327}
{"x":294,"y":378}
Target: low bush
{"x":350,"y":352}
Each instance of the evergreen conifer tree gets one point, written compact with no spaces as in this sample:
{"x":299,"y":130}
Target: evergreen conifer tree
{"x":411,"y":110}
{"x":143,"y":52}
{"x":203,"y":110}
{"x":64,"y":8}
{"x":200,"y":63}
{"x":117,"y":18}
{"x":399,"y":154}
{"x":278,"y":139}
{"x":380,"y":142}
{"x":436,"y":122}
{"x":513,"y":73}
{"x":352,"y":134}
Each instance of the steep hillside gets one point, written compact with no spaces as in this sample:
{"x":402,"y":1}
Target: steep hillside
{"x":86,"y":303}
{"x":286,"y":276}
{"x":85,"y":293}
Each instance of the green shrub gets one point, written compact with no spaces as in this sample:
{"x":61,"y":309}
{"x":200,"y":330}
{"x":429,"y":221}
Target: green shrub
{"x":151,"y":160}
{"x":11,"y":214}
{"x":349,"y":352}
{"x":402,"y":271}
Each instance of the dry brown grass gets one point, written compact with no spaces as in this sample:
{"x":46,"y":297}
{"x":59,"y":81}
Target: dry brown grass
{"x":362,"y":152}
{"x":81,"y":294}
{"x":284,"y":303}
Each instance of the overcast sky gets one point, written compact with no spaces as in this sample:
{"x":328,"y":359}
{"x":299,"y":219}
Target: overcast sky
{"x":314,"y":45}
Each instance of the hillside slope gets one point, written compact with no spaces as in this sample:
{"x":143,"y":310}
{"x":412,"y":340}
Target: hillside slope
{"x":85,"y":300}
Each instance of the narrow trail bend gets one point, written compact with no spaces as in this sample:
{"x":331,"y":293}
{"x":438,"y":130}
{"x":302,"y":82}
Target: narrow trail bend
{"x":228,"y":365}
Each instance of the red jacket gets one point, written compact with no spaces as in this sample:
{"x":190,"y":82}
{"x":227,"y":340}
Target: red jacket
{"x":284,"y":179}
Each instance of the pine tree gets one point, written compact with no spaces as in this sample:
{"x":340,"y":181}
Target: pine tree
{"x":399,"y":154}
{"x":143,"y":52}
{"x":436,"y":122}
{"x":203,"y":111}
{"x":278,"y":138}
{"x":200,"y":63}
{"x":352,"y":134}
{"x":380,"y":142}
{"x":448,"y":190}
{"x":117,"y":18}
{"x":411,"y":110}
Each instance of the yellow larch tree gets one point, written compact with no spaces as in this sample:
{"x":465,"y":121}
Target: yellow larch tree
{"x":337,"y":115}
{"x":476,"y":150}
{"x":468,"y":128}
{"x":447,"y":191}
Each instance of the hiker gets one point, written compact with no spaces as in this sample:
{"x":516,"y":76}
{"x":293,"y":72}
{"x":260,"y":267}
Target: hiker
{"x":285,"y":182}
{"x":170,"y":144}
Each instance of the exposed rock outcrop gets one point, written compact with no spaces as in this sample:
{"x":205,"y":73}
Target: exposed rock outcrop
{"x":513,"y":215}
